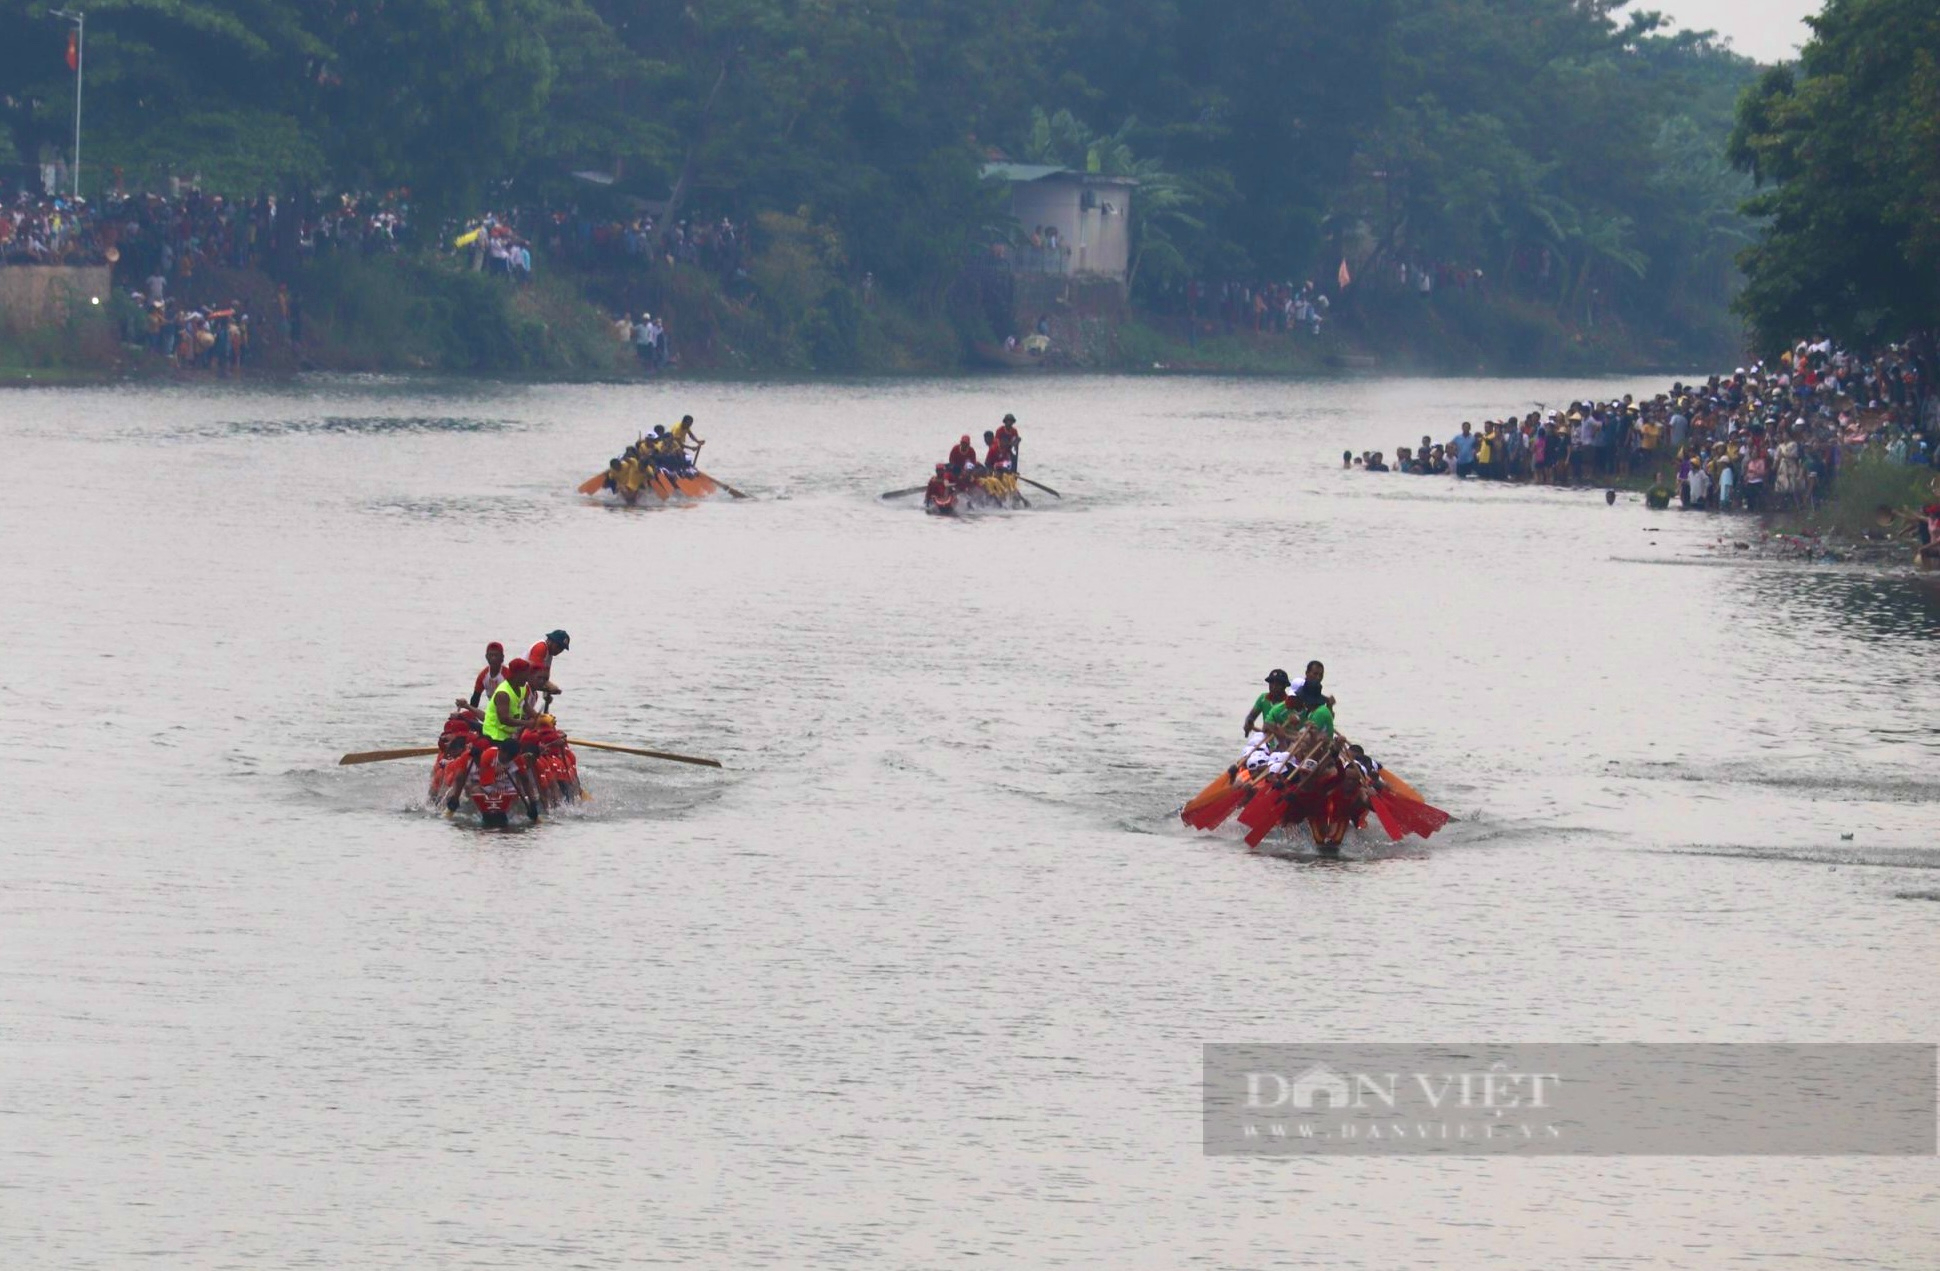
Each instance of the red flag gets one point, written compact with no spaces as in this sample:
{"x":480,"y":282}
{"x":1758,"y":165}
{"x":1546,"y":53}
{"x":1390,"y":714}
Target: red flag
{"x":1346,"y":278}
{"x":73,"y":50}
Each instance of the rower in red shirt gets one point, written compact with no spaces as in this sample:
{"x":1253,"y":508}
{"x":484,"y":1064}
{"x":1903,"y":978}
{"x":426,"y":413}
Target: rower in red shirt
{"x":938,"y":496}
{"x":997,"y":458}
{"x":541,"y":656}
{"x":488,"y":679}
{"x":1007,"y":433}
{"x":963,"y":457}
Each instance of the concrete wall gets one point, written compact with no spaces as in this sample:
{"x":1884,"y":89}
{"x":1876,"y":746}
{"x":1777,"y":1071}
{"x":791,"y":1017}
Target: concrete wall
{"x":1095,"y":242}
{"x":39,"y":295}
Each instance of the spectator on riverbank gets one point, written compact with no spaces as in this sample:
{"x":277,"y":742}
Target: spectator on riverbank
{"x":1761,"y":438}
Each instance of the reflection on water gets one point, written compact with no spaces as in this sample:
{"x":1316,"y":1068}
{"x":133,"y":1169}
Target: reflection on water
{"x":922,"y":975}
{"x":1892,"y":604}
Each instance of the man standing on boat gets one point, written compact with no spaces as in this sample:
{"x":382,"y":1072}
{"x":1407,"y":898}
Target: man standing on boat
{"x":1007,"y":434}
{"x":493,"y":674}
{"x":1309,"y":695}
{"x":540,"y":660}
{"x":689,"y":445}
{"x":1270,"y":707}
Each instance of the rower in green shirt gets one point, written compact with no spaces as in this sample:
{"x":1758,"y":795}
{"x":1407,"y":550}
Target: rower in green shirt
{"x":1271,"y":707}
{"x":1322,"y":717}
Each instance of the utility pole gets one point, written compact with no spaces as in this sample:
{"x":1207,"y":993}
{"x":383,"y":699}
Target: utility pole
{"x":80,"y":21}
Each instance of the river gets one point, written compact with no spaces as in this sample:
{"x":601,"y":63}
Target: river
{"x":922,"y":976}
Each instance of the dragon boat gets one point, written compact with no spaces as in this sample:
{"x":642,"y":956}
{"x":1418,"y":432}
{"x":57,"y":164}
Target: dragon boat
{"x":1308,"y":776}
{"x":656,"y":485}
{"x":468,"y":775}
{"x":993,"y":492}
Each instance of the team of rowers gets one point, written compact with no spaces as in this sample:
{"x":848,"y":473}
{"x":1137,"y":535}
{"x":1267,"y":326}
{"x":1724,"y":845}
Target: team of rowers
{"x":1296,"y":768}
{"x":994,"y":480}
{"x":503,"y":744}
{"x":669,"y":452}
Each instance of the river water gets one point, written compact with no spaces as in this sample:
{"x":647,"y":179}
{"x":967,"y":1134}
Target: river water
{"x":922,"y":976}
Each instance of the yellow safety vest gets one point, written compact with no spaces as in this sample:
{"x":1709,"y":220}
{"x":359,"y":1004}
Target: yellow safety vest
{"x":514,"y":707}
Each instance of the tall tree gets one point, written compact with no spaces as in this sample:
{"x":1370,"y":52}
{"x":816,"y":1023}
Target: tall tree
{"x":1846,"y":146}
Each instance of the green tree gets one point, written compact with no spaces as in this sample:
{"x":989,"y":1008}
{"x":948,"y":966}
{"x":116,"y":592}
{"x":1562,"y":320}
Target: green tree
{"x":1846,"y":148}
{"x":1163,"y":204}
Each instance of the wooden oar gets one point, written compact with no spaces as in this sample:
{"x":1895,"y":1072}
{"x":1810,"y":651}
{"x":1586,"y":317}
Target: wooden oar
{"x":649,"y":754}
{"x":897,"y":494}
{"x":1037,"y":485}
{"x":724,"y":485}
{"x":379,"y":756}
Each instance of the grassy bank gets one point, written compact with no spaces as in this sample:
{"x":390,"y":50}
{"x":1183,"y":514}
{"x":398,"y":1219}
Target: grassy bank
{"x":399,"y":313}
{"x":83,"y":349}
{"x":793,"y":312}
{"x":1867,"y":485}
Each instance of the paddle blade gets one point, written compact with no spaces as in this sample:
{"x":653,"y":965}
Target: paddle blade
{"x":1411,"y":815}
{"x":899,"y":494}
{"x":1213,"y":813}
{"x":1263,"y":815}
{"x":592,"y":484}
{"x":379,"y":756}
{"x":1218,"y":786}
{"x":725,"y":486}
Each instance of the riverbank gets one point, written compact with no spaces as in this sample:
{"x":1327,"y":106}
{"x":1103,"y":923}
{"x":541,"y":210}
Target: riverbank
{"x":398,"y":313}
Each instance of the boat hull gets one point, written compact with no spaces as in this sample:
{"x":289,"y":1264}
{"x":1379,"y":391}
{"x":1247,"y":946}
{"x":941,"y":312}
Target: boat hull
{"x":660,"y":488}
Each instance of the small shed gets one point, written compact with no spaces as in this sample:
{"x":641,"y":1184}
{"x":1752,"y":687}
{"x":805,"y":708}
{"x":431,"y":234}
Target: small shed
{"x":1091,"y":215}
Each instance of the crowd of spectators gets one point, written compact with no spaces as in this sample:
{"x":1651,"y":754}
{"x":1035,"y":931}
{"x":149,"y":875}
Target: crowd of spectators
{"x":143,"y":234}
{"x":1260,"y":307}
{"x":584,"y":239}
{"x":1761,"y":438}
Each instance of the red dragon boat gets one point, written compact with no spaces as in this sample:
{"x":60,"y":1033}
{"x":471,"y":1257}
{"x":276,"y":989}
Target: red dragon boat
{"x":1310,"y":776}
{"x":467,"y":771}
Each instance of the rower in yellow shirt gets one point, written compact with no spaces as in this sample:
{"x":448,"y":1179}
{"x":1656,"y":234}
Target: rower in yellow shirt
{"x":684,"y":439}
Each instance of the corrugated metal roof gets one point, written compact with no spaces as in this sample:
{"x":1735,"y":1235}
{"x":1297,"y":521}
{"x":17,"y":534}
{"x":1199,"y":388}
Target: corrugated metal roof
{"x":1021,"y":172}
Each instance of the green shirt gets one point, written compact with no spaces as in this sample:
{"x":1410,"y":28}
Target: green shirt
{"x":1322,"y":717}
{"x":1270,"y":711}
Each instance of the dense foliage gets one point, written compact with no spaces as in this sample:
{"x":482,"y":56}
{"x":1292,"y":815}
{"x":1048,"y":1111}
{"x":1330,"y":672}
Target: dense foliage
{"x":1569,"y":153}
{"x":1847,"y":146}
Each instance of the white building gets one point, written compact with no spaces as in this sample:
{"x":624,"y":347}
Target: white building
{"x":1091,"y":214}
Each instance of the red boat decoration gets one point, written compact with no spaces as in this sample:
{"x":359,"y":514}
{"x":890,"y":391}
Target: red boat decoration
{"x":469,"y":769}
{"x":1312,"y":776}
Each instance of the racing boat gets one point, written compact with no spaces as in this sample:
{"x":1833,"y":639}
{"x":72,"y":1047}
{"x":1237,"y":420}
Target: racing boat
{"x":466,"y":772}
{"x":995,"y":492}
{"x":654,"y":485}
{"x":1316,"y":778}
